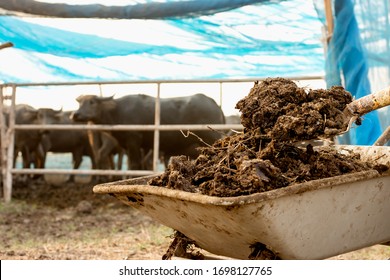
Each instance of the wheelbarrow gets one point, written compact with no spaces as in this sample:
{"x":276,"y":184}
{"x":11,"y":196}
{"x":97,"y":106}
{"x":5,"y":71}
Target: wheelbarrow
{"x":313,"y":220}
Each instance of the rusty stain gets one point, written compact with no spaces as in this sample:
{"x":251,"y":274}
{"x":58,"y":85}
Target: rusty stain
{"x":258,"y":210}
{"x":131,"y":199}
{"x":183,"y":215}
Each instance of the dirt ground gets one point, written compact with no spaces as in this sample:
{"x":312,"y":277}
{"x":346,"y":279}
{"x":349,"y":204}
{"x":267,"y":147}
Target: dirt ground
{"x":48,"y":221}
{"x":68,"y":221}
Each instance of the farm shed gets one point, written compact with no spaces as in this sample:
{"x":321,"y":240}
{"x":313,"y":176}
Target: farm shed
{"x":345,"y":41}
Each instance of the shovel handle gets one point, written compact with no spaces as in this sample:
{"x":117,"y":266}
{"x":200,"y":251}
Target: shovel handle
{"x":370,"y":102}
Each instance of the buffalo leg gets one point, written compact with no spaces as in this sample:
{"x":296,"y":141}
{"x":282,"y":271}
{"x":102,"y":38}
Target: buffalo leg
{"x":77,"y":159}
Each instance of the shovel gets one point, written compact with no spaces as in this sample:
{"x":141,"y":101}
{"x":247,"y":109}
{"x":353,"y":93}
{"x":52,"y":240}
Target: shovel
{"x":364,"y":105}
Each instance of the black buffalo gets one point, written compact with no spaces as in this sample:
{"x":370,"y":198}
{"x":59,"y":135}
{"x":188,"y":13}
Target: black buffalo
{"x":28,"y":142}
{"x":64,"y":141}
{"x":140,"y":109}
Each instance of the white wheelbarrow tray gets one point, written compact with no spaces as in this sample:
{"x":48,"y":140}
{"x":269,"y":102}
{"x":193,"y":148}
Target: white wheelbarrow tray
{"x":313,"y":220}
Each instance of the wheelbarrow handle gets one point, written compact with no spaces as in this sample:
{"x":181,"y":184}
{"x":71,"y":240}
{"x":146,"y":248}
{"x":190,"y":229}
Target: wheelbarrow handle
{"x":384,"y":138}
{"x":369,"y":102}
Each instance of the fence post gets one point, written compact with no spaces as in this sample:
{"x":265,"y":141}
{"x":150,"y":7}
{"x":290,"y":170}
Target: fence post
{"x":3,"y":151}
{"x":11,"y":142}
{"x":156,"y":143}
{"x":7,"y":144}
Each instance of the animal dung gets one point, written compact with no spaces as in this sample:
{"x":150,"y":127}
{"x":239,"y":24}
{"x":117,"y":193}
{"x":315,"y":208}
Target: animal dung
{"x":281,"y":110}
{"x":276,"y":115}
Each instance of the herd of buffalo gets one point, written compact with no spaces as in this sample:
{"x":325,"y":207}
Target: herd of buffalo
{"x":101,"y":146}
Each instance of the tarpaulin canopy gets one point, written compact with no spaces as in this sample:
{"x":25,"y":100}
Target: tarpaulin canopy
{"x":143,"y":40}
{"x":275,"y":39}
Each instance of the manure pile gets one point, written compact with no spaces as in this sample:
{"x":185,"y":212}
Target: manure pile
{"x":276,"y":114}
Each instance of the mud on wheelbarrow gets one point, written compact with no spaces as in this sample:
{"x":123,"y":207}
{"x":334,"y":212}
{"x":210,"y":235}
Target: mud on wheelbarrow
{"x":313,"y":220}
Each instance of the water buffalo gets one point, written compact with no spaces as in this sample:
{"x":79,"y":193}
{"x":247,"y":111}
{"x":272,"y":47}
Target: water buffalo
{"x":64,"y":141}
{"x":139,"y":109}
{"x":27,"y":142}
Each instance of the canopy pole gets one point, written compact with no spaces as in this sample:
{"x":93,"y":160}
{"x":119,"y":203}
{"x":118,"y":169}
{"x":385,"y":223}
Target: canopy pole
{"x":329,"y":19}
{"x":220,"y":93}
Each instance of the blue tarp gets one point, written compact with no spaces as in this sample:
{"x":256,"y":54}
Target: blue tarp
{"x":278,"y":38}
{"x":347,"y":59}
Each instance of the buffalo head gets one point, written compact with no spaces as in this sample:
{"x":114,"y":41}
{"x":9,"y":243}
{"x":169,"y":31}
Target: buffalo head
{"x":92,"y":108}
{"x":49,"y":116}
